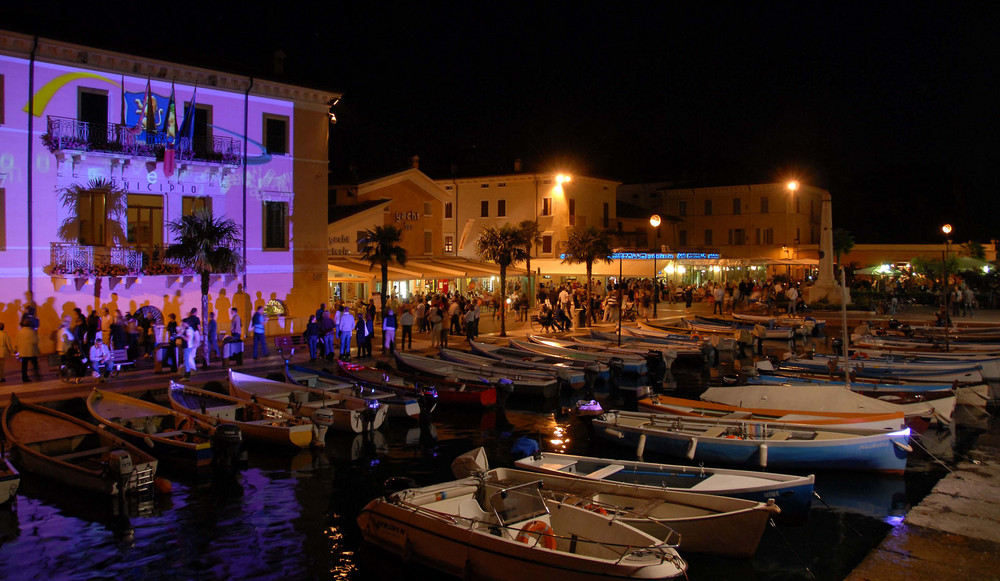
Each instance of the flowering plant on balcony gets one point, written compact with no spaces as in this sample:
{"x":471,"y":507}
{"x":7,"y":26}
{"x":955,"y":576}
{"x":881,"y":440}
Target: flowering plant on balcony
{"x":54,"y":144}
{"x":118,"y":270}
{"x":79,"y":272}
{"x":162,"y":268}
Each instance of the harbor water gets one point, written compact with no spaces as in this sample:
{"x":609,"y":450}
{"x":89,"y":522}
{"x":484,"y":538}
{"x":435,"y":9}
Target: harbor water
{"x":293,"y":515}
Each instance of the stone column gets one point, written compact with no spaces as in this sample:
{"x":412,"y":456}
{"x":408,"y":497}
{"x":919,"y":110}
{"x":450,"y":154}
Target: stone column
{"x":826,"y":286}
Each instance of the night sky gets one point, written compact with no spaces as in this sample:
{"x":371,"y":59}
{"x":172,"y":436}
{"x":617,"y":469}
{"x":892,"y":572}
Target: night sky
{"x":891,"y":106}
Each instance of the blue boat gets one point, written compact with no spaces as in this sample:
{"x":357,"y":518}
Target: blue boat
{"x":754,"y":444}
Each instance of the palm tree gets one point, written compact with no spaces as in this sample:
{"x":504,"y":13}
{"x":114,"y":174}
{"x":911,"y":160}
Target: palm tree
{"x":974,"y":249}
{"x":587,"y":245}
{"x":532,"y":233}
{"x":208,"y":246}
{"x":382,"y":247}
{"x":843,"y":242}
{"x":115,"y":202}
{"x":504,"y":246}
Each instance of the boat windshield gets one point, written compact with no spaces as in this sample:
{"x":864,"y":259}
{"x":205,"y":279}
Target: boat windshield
{"x":519,"y":503}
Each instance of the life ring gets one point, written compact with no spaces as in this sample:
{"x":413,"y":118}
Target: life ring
{"x":594,"y":508}
{"x":541,"y":527}
{"x":859,"y":355}
{"x":185,"y":424}
{"x":696,"y":337}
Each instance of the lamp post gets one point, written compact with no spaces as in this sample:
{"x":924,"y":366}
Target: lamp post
{"x":792,"y":187}
{"x":944,"y":279}
{"x":619,"y":252}
{"x":654,"y":221}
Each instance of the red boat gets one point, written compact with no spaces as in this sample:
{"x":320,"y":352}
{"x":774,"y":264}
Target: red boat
{"x":449,"y":392}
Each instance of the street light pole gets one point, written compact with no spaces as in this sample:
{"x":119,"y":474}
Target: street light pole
{"x":944,"y":283}
{"x":654,"y":221}
{"x":620,"y":297}
{"x":792,"y":187}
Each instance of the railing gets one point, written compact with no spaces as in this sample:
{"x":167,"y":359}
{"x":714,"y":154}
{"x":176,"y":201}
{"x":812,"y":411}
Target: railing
{"x":67,"y":133}
{"x":77,"y":260}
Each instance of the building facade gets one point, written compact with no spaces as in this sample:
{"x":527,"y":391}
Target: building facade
{"x":253,"y":151}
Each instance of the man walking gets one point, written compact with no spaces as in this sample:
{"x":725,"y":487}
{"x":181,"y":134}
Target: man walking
{"x":259,"y":339}
{"x":346,"y":326}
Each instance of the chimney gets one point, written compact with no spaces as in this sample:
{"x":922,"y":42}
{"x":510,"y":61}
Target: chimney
{"x":517,"y":165}
{"x":415,"y":162}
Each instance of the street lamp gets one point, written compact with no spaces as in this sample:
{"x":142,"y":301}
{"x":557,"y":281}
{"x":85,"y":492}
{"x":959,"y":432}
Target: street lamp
{"x":654,"y":221}
{"x":792,"y":187}
{"x":944,"y":277}
{"x":620,"y":297}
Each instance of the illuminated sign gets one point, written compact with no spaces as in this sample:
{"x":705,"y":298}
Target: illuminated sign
{"x":660,"y":256}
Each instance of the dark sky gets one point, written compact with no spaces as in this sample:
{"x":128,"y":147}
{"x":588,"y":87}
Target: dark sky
{"x":889,"y":105}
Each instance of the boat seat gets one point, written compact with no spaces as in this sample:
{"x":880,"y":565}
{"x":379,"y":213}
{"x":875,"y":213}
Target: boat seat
{"x":604,"y":472}
{"x":780,"y":435}
{"x":469,"y":508}
{"x":738,"y":415}
{"x":83,"y":453}
{"x":714,"y":432}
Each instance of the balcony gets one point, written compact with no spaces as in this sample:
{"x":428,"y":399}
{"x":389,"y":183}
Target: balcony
{"x":70,"y":260}
{"x":64,"y":133}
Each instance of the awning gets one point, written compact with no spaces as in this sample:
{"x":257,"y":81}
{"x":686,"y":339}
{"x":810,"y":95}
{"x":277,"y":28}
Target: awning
{"x":794,"y":261}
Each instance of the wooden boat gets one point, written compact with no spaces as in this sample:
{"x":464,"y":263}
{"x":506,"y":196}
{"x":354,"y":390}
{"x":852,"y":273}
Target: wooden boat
{"x":823,"y":398}
{"x":989,"y":366}
{"x":58,"y":446}
{"x":784,"y":320}
{"x":169,"y":435}
{"x":523,"y":385}
{"x":701,"y":325}
{"x":520,"y":535}
{"x":928,"y":371}
{"x":10,"y":478}
{"x":661,"y":404}
{"x":685,"y":347}
{"x":667,"y":355}
{"x":706,"y":523}
{"x":924,"y":345}
{"x":448,"y":392}
{"x":398,"y":405}
{"x":793,"y":494}
{"x":574,"y":376}
{"x":756,"y":444}
{"x":634,"y":365}
{"x":259,"y":423}
{"x":512,"y":357}
{"x":347,"y":412}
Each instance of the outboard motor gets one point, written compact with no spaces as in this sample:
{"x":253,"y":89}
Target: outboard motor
{"x":322,"y":419}
{"x":616,"y":368}
{"x":120,"y":464}
{"x":656,"y":369}
{"x":397,"y":483}
{"x":427,"y":397}
{"x":504,"y":387}
{"x":591,"y":371}
{"x":838,"y":346}
{"x":732,"y":379}
{"x":370,"y":413}
{"x":227,"y":443}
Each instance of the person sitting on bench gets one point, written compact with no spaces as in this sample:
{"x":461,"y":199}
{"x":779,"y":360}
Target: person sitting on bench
{"x":100,"y":358}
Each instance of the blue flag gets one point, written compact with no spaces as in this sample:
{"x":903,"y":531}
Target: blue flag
{"x":185,"y":135}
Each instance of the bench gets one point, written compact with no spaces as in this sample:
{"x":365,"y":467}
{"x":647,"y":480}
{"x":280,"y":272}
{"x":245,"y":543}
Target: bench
{"x":289,"y":343}
{"x":82,"y":453}
{"x":604,"y":472}
{"x":119,"y":359}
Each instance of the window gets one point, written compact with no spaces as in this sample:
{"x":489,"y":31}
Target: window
{"x":361,"y":234}
{"x":502,"y":185}
{"x":484,"y":186}
{"x":546,"y":206}
{"x":91,"y":217}
{"x":501,"y":208}
{"x":276,"y":134}
{"x":708,"y":237}
{"x":737,"y":236}
{"x":768,"y":236}
{"x":202,"y":121}
{"x":484,"y":209}
{"x":763,"y":205}
{"x":3,"y":200}
{"x":682,"y":238}
{"x":428,"y":209}
{"x":92,"y":109}
{"x":449,"y":244}
{"x":572,"y":212}
{"x":682,"y":208}
{"x":547,"y":244}
{"x":708,"y":207}
{"x":428,"y":242}
{"x":145,"y":219}
{"x":191,"y":204}
{"x":447,"y":210}
{"x":275,"y":225}
{"x":737,"y":207}
{"x":607,"y":219}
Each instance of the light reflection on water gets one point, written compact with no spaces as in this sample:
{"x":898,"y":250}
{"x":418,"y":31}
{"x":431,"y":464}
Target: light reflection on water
{"x":292,"y":516}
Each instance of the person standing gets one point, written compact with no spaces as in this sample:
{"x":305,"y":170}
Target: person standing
{"x":26,"y":346}
{"x":389,"y":332}
{"x":434,"y":320}
{"x":329,"y":330}
{"x":235,"y":324}
{"x":258,"y":322}
{"x":718,"y":295}
{"x":93,"y":328}
{"x":968,"y":301}
{"x":106,"y":321}
{"x":406,"y":323}
{"x":346,"y":326}
{"x":212,"y":336}
{"x":793,"y":298}
{"x":192,"y":338}
{"x":470,"y":323}
{"x":6,"y":350}
{"x":312,"y":333}
{"x":192,"y":319}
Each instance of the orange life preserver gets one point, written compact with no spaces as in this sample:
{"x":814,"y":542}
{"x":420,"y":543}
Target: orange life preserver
{"x":595,"y":508}
{"x":859,"y":355}
{"x":541,"y":527}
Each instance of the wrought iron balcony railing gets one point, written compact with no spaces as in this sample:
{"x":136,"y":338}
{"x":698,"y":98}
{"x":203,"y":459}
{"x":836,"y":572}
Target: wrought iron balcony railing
{"x":66,"y":133}
{"x":77,"y":260}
